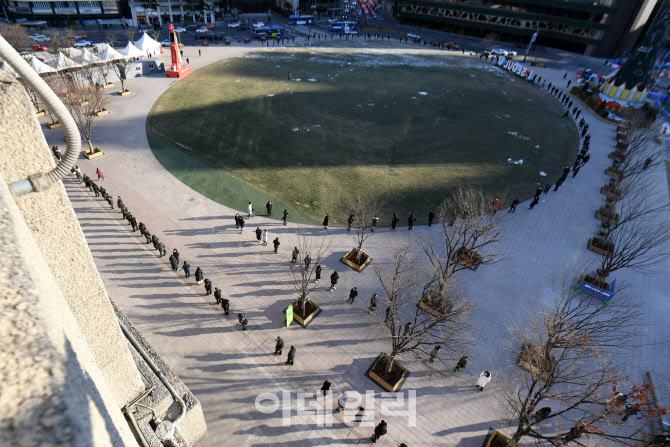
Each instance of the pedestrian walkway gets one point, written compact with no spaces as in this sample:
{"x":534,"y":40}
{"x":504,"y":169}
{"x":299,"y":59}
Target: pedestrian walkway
{"x":227,"y":368}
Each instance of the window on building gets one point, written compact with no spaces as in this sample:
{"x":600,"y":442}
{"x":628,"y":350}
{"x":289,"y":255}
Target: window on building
{"x":41,"y":5}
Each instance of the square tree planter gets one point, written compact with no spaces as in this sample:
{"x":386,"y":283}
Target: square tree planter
{"x":469,"y":258}
{"x":124,"y":92}
{"x":100,"y":112}
{"x":432,"y":303}
{"x":496,"y":439}
{"x":96,"y":153}
{"x":617,"y":155}
{"x":108,"y":84}
{"x":599,"y":283}
{"x":350,"y":260}
{"x":601,"y":246}
{"x":311,"y":311}
{"x":531,"y":359}
{"x":611,"y":191}
{"x":53,"y":124}
{"x":613,"y":172}
{"x":392,"y":381}
{"x":41,"y":112}
{"x":607,"y":215}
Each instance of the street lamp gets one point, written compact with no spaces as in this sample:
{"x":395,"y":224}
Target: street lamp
{"x":532,"y":39}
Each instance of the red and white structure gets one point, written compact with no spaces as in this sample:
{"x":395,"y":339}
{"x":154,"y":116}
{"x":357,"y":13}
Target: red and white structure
{"x":177,"y":69}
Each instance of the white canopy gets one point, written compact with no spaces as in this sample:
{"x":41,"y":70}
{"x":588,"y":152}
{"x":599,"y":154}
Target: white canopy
{"x":63,"y":62}
{"x":110,"y":54}
{"x":40,"y":66}
{"x":87,"y":57}
{"x":9,"y":69}
{"x":148,"y":45}
{"x":72,"y":53}
{"x":132,"y":51}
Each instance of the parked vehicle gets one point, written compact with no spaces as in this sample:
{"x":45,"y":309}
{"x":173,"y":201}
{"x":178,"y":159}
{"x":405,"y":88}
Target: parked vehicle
{"x":234,"y":25}
{"x":202,"y":30}
{"x":82,"y":44}
{"x":413,"y":36}
{"x":502,"y":52}
{"x":40,"y":38}
{"x":81,"y":36}
{"x":179,"y":30}
{"x":39,"y":47}
{"x":165,"y":43}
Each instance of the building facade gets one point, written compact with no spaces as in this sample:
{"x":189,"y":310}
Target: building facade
{"x":603,"y":28}
{"x":67,"y":13}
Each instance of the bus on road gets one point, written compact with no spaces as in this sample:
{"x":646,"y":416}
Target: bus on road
{"x":269,"y":31}
{"x":300,"y":20}
{"x":344,"y":26}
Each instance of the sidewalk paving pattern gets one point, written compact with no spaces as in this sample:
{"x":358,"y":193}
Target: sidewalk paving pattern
{"x":227,"y":368}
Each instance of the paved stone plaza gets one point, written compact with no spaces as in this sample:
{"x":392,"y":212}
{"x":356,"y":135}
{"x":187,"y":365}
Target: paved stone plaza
{"x":227,"y":368}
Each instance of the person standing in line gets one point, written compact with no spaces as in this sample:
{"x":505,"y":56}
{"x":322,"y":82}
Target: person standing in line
{"x":250,"y":209}
{"x":333,"y":280}
{"x":78,"y":173}
{"x":291,"y":356}
{"x":237,"y":220}
{"x":350,"y":221}
{"x":380,"y":430}
{"x":279,"y":346}
{"x":259,"y":233}
{"x":538,"y":191}
{"x":306,"y":262}
{"x":133,"y":223}
{"x":547,"y":187}
{"x":512,"y":208}
{"x":99,"y":173}
{"x":276,"y":244}
{"x":187,"y":268}
{"x":353,"y":293}
{"x":461,"y":363}
{"x":265,"y":237}
{"x":373,"y":303}
{"x":241,"y":221}
{"x":574,"y":173}
{"x":375,"y":219}
{"x":161,"y":249}
{"x":559,"y":182}
{"x":154,"y":241}
{"x":317,"y":272}
{"x":96,"y":189}
{"x":143,"y":228}
{"x":175,"y":253}
{"x":431,"y":216}
{"x":110,"y":201}
{"x":208,"y":286}
{"x":225,"y":305}
{"x":388,"y":315}
{"x":173,"y":263}
{"x":410,"y":221}
{"x":341,"y":402}
{"x":325,"y":222}
{"x":198,"y":275}
{"x":394,"y":221}
{"x":325,"y":388}
{"x":294,"y":255}
{"x":217,"y":295}
{"x":243,"y":321}
{"x":268,"y":207}
{"x":434,"y":353}
{"x":535,"y":201}
{"x":484,"y":378}
{"x":148,"y":236}
{"x":285,"y":216}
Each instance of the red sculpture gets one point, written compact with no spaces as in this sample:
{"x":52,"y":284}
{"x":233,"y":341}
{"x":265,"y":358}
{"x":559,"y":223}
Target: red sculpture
{"x":177,"y":69}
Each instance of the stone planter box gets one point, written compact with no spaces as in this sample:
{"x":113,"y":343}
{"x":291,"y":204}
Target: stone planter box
{"x":100,"y":112}
{"x":109,"y":84}
{"x":531,"y":359}
{"x":617,"y":155}
{"x":611,"y":191}
{"x":601,"y":246}
{"x":304,"y":322}
{"x":41,"y":112}
{"x":496,"y":439}
{"x":53,"y":124}
{"x":621,"y":145}
{"x":425,"y":304}
{"x":607,"y":216}
{"x":347,"y":259}
{"x":468,"y":258}
{"x":96,"y":153}
{"x":125,"y":92}
{"x":374,"y":373}
{"x":613,"y":172}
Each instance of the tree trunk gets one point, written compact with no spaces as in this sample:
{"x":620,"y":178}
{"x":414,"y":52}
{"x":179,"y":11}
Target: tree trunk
{"x":359,"y":252}
{"x":389,"y":365}
{"x":90,"y":146}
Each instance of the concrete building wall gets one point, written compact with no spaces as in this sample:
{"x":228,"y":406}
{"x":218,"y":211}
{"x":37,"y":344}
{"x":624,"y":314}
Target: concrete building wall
{"x":60,"y":241}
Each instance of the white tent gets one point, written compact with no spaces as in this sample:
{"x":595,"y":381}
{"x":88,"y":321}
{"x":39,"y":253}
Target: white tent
{"x":40,"y":66}
{"x":63,"y":62}
{"x":87,"y":57}
{"x":110,"y":54}
{"x":132,"y":51}
{"x":9,"y":69}
{"x":148,"y":45}
{"x":72,"y":53}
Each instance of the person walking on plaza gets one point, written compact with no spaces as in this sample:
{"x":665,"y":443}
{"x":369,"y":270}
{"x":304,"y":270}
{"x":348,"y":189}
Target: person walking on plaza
{"x":333,"y":280}
{"x":208,"y":286}
{"x":237,"y":220}
{"x":394,"y":221}
{"x":538,"y":191}
{"x":285,"y":216}
{"x":360,"y":415}
{"x":265,"y":237}
{"x":373,"y":303}
{"x":276,"y":244}
{"x":434,"y":353}
{"x":250,"y":209}
{"x":317,"y":273}
{"x":198,"y":275}
{"x":431,"y":216}
{"x":56,"y":152}
{"x":325,"y":388}
{"x":484,"y":378}
{"x":199,"y":52}
{"x":241,"y":222}
{"x":353,"y":293}
{"x":294,"y":255}
{"x":243,"y":321}
{"x":99,"y":173}
{"x":350,"y":221}
{"x":341,"y":402}
{"x":512,"y":208}
{"x":535,"y":201}
{"x":461,"y":363}
{"x":268,"y":207}
{"x":187,"y":268}
{"x":325,"y":222}
{"x":410,"y":221}
{"x":291,"y":356}
{"x":161,"y":249}
{"x":547,"y":187}
{"x":217,"y":295}
{"x":380,"y":430}
{"x":279,"y":346}
{"x":259,"y":233}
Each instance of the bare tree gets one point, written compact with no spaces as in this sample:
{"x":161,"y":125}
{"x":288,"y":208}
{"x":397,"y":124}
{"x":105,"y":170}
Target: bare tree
{"x":363,"y":210}
{"x":411,"y":329}
{"x":34,"y":98}
{"x":59,"y":39}
{"x":111,"y":38}
{"x":128,"y":34}
{"x":312,"y":252}
{"x":489,"y":40}
{"x":120,"y":68}
{"x":16,"y":36}
{"x":83,"y":100}
{"x":569,"y":375}
{"x":156,"y":34}
{"x":471,"y":228}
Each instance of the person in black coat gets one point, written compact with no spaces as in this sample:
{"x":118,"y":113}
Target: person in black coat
{"x":285,"y":217}
{"x":237,"y":220}
{"x":148,"y":236}
{"x":154,"y":240}
{"x":161,"y":249}
{"x":394,"y":221}
{"x":380,"y":430}
{"x":173,"y":263}
{"x":325,"y":387}
{"x":325,"y":222}
{"x":119,"y":202}
{"x":225,"y":305}
{"x":291,"y":356}
{"x":333,"y":280}
{"x":279,"y":346}
{"x":259,"y":233}
{"x":512,"y":207}
{"x":175,"y":253}
{"x":294,"y":255}
{"x":268,"y":206}
{"x":143,"y":228}
{"x":198,"y":275}
{"x":431,"y":216}
{"x":187,"y":269}
{"x":217,"y":295}
{"x":350,"y":221}
{"x":208,"y":286}
{"x":410,"y":221}
{"x":96,"y":189}
{"x":133,"y":223}
{"x":276,"y":244}
{"x":243,"y":321}
{"x":241,"y":223}
{"x":317,"y":272}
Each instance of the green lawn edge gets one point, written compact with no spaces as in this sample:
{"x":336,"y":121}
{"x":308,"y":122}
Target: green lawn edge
{"x":217,"y":185}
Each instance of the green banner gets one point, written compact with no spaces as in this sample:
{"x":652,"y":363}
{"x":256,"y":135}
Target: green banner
{"x":289,"y":315}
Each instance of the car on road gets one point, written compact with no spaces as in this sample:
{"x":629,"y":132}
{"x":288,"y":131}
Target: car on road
{"x":82,"y":44}
{"x":201,"y":30}
{"x":413,"y":36}
{"x":179,"y":30}
{"x":40,"y":38}
{"x":234,"y":25}
{"x":502,"y":52}
{"x":199,"y":36}
{"x":39,"y":47}
{"x":81,"y":36}
{"x":333,"y":20}
{"x":258,"y":25}
{"x":165,"y":43}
